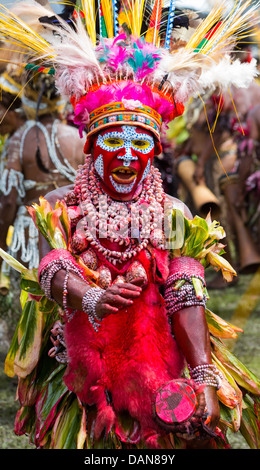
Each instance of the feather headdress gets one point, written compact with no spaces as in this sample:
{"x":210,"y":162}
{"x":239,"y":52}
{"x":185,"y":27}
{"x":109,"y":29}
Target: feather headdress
{"x":130,"y":66}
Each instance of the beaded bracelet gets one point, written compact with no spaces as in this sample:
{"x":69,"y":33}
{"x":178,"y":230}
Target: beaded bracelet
{"x":173,"y":278}
{"x":90,"y":298}
{"x":89,"y":302}
{"x":206,"y":374}
{"x":48,"y":273}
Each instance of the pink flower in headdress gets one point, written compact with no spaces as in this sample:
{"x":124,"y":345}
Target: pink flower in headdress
{"x":131,"y":104}
{"x":81,"y":116}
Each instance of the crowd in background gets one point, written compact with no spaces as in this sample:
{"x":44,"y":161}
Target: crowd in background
{"x":210,"y":160}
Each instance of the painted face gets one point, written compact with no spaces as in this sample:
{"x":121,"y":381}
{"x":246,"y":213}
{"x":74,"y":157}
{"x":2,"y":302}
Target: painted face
{"x":122,"y":158}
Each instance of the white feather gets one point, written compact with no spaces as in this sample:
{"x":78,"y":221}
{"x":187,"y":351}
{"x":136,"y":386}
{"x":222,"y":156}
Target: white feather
{"x":75,"y":48}
{"x":76,"y":61}
{"x":182,"y":59}
{"x":30,"y":12}
{"x":191,"y":73}
{"x":226,"y":73}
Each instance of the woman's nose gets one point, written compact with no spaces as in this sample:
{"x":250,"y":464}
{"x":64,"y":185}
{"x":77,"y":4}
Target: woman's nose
{"x":127,"y":154}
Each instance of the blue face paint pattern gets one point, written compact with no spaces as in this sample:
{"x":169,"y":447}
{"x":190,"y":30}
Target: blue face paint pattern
{"x":128,"y":136}
{"x":99,"y":166}
{"x":122,"y":188}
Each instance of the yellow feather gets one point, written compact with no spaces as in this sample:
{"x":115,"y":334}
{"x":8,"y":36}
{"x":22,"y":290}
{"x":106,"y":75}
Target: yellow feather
{"x":203,"y":28}
{"x":138,"y":8}
{"x":88,"y":7}
{"x":16,"y":31}
{"x":231,"y":29}
{"x":107,"y":10}
{"x":126,"y":14}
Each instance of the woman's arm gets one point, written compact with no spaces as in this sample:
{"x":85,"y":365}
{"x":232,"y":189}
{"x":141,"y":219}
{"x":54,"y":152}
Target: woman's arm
{"x":192,"y":335}
{"x":114,"y":298}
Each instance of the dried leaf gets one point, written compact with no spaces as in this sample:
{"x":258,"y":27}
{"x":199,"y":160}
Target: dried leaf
{"x":219,"y":327}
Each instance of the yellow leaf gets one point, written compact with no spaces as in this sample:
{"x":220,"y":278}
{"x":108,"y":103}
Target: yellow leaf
{"x":23,"y":298}
{"x":44,"y":207}
{"x":227,"y":276}
{"x":216,"y":232}
{"x":229,"y":393}
{"x":9,"y":366}
{"x":82,"y":434}
{"x":89,"y":273}
{"x":219,"y":262}
{"x":12,"y":261}
{"x":208,"y":219}
{"x":240,"y":373}
{"x":219,"y":327}
{"x":24,"y":366}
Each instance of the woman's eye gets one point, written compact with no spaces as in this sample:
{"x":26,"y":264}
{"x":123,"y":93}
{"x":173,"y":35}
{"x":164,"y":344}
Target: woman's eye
{"x":111,"y":142}
{"x":141,"y":143}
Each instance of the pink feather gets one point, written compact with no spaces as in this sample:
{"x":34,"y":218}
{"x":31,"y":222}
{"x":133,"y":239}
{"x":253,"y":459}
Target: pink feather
{"x":115,"y":92}
{"x":117,"y":56}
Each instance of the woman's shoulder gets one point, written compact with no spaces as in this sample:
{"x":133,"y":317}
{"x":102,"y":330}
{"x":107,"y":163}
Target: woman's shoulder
{"x":58,"y":194}
{"x":175,"y":203}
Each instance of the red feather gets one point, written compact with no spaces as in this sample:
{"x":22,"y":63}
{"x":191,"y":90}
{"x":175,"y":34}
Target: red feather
{"x":155,"y":21}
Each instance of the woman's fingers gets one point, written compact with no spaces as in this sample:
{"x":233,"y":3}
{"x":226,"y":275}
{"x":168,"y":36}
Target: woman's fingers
{"x":117,"y":296}
{"x":118,"y":300}
{"x":126,"y":290}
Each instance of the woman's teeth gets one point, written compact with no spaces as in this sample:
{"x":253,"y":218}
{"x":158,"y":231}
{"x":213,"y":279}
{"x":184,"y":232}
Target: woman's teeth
{"x":124,"y":174}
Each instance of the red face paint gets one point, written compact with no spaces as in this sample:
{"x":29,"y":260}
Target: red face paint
{"x":122,"y":158}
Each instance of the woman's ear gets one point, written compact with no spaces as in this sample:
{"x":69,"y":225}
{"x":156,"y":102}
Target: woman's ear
{"x":157,"y":148}
{"x":87,"y":146}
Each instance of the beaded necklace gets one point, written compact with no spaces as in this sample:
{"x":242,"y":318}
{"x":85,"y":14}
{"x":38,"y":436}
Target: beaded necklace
{"x":130,"y":223}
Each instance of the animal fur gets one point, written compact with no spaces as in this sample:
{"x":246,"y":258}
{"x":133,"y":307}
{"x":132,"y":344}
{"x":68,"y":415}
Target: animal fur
{"x":131,"y":356}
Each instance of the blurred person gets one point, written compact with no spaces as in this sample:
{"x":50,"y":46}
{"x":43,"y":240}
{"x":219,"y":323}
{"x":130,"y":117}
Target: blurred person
{"x":41,"y":155}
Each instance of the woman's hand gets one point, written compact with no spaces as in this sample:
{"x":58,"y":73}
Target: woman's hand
{"x":117,"y":296}
{"x":211,"y":408}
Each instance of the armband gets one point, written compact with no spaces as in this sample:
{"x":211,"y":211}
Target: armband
{"x":185,"y":286}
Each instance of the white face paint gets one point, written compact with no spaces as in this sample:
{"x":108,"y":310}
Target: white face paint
{"x":120,"y":152}
{"x":127,"y":140}
{"x":99,"y":166}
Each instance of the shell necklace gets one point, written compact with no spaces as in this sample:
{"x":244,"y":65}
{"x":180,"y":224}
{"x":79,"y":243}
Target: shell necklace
{"x":130,"y":223}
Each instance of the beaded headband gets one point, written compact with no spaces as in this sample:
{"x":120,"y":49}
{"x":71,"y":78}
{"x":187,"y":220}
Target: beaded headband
{"x":118,"y":113}
{"x":124,"y":117}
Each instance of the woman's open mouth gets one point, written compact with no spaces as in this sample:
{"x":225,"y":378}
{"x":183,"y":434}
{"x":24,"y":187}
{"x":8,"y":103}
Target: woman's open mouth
{"x":123,"y":175}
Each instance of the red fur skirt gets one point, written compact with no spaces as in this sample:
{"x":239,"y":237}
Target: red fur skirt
{"x":120,"y":367}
